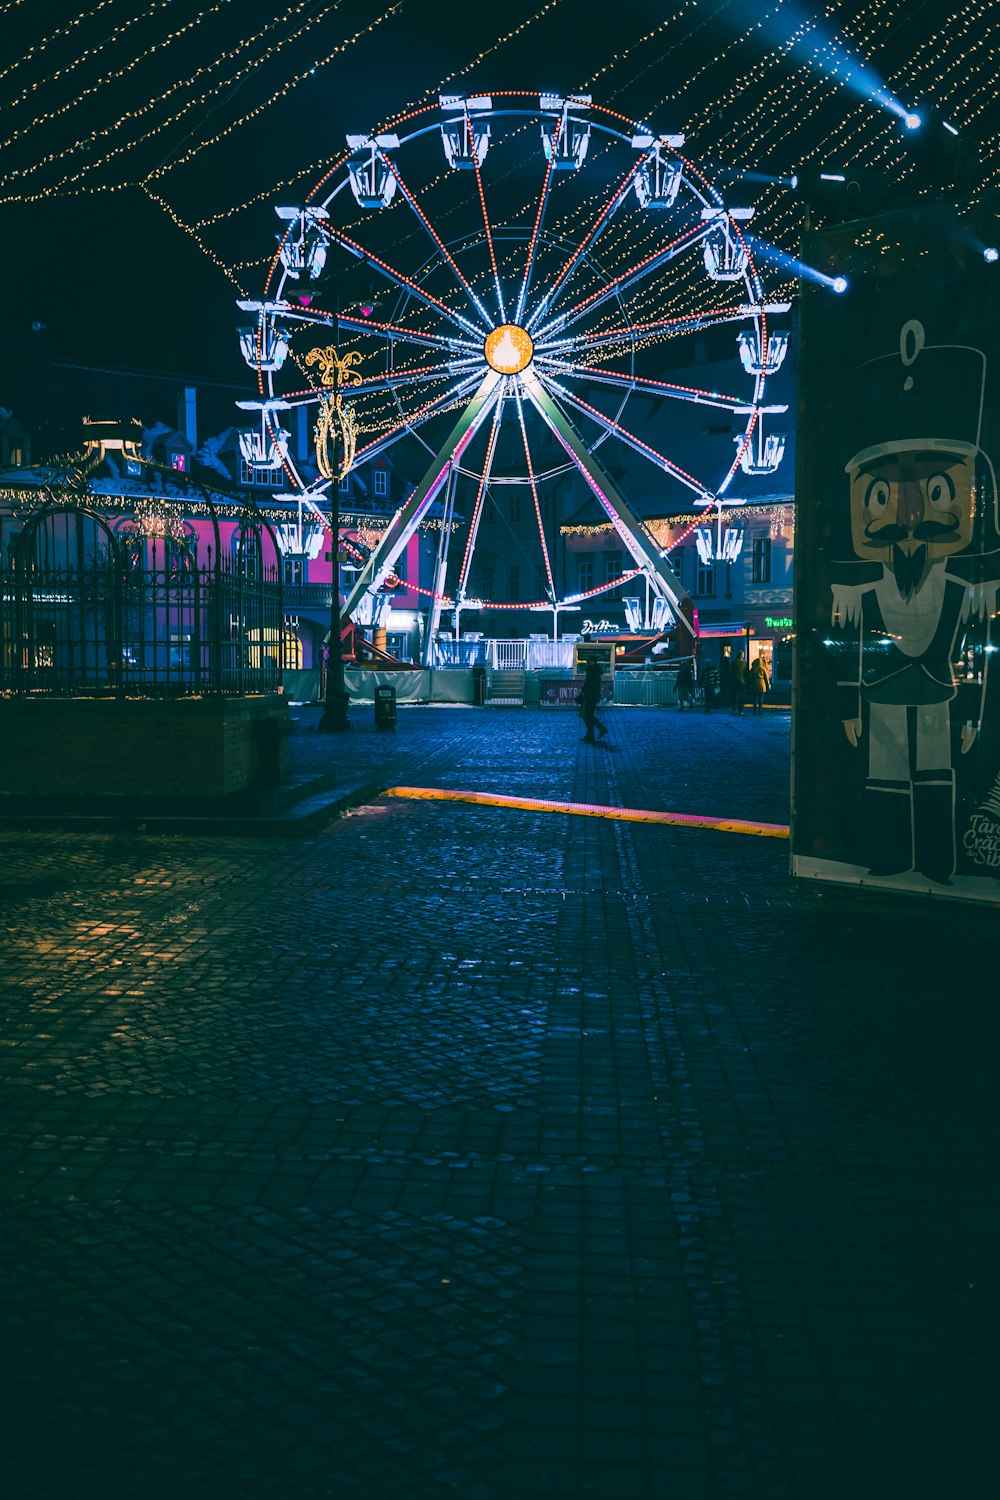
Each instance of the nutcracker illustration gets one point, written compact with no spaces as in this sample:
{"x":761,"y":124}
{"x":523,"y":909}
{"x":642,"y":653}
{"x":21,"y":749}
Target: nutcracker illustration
{"x":912,"y":615}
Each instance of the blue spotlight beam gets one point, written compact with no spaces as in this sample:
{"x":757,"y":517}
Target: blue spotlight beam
{"x":794,"y":266}
{"x":800,"y":34}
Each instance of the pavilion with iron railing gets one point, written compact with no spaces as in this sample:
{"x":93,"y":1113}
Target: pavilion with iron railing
{"x":138,"y":605}
{"x":141,"y":640}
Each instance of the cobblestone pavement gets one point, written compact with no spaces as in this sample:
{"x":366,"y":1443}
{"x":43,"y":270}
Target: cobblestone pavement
{"x":468,"y":1151}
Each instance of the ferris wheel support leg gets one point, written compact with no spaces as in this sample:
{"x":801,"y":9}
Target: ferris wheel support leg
{"x":440,"y":572}
{"x":659,"y":574}
{"x":406,"y":520}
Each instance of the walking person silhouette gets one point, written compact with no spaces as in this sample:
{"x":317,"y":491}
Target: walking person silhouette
{"x":590,"y":697}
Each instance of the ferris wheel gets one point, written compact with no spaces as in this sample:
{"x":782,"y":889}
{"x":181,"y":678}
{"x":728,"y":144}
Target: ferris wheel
{"x":524,"y":261}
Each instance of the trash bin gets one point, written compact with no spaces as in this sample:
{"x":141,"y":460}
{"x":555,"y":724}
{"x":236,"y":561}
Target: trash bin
{"x":385,"y":706}
{"x":479,"y":686}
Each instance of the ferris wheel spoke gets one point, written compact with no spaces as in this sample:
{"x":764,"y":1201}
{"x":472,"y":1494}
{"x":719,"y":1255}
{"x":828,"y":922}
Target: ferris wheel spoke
{"x":644,"y":551}
{"x":644,"y":449}
{"x":477,"y":509}
{"x":486,"y":218}
{"x":534,"y":492}
{"x":406,"y":520}
{"x":647,"y":387}
{"x":628,"y":278}
{"x":411,"y":200}
{"x":317,"y":317}
{"x":394,"y":333}
{"x":600,"y":224}
{"x":413,"y":421}
{"x":529,"y":264}
{"x":344,"y":242}
{"x":420,"y":375}
{"x":637,"y":333}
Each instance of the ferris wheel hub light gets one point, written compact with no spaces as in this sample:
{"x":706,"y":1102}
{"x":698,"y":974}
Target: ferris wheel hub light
{"x":508,"y":349}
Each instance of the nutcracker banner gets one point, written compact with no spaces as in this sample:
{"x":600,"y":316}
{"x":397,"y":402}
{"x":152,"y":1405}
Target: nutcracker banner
{"x":896,"y":694}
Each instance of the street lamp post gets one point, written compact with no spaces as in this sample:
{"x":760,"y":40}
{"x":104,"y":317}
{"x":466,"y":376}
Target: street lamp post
{"x":334,"y":717}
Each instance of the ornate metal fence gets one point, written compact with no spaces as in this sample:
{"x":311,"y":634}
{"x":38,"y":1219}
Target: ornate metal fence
{"x":88,"y":607}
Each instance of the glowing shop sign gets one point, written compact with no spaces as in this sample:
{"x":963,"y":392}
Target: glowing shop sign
{"x":778,"y":622}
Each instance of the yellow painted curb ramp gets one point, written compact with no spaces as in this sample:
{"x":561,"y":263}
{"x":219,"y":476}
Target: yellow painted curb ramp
{"x":590,"y":810}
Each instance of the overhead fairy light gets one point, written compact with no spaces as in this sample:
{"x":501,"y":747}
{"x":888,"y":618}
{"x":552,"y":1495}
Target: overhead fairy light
{"x":777,"y":112}
{"x":280,"y":93}
{"x":54,"y":36}
{"x":227,"y":271}
{"x":223,"y":86}
{"x":79,"y":95}
{"x":754,"y":109}
{"x":819,"y":49}
{"x":327,"y":164}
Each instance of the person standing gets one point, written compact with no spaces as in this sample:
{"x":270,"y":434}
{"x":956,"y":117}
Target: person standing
{"x":738,"y":682}
{"x":759,"y":684}
{"x":590,"y":697}
{"x":685,"y":685}
{"x":725,"y":687}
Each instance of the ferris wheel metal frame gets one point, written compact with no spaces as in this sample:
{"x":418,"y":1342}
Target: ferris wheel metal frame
{"x":500,"y":348}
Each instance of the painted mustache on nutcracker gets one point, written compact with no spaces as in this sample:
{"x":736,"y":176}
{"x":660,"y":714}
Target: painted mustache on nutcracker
{"x":926,"y":531}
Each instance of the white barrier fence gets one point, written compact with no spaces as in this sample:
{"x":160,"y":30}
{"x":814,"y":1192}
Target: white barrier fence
{"x":646,"y":689}
{"x":504,"y":656}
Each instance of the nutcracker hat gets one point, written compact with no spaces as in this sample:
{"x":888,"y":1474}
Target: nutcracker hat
{"x":926,"y":397}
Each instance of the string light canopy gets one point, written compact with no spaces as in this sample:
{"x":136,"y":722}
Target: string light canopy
{"x":754,"y":88}
{"x":191,"y":105}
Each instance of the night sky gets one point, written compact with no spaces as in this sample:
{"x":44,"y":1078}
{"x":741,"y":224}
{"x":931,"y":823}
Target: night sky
{"x":144,"y":148}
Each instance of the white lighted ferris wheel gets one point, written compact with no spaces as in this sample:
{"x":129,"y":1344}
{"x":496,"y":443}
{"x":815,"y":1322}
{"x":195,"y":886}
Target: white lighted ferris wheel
{"x":525,"y":261}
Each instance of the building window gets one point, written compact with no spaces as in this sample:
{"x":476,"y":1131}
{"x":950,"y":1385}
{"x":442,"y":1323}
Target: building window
{"x":489,"y":515}
{"x":585,"y":574}
{"x":178,"y":461}
{"x":486,"y":580}
{"x":45,"y":654}
{"x":272,"y":479}
{"x":541,"y":582}
{"x":380,"y":482}
{"x":545,"y":501}
{"x":705,"y":580}
{"x":295,"y":570}
{"x":513,"y":584}
{"x":178,"y":554}
{"x":180,"y":650}
{"x":761,"y":559}
{"x":292,"y":657}
{"x":514,"y":509}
